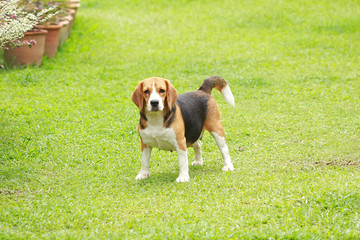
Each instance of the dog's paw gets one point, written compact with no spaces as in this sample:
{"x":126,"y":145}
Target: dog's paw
{"x":142,"y":175}
{"x":228,"y":168}
{"x":197,"y":163}
{"x":183,"y":178}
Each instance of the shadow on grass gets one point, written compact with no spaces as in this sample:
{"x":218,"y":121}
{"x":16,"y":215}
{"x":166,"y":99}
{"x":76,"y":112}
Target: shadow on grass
{"x":196,"y":172}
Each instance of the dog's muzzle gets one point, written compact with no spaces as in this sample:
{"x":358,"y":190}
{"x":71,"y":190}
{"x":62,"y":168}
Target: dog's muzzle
{"x":154,"y":105}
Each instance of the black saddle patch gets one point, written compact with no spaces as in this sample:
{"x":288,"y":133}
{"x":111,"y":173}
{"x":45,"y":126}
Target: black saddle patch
{"x":193,"y":107}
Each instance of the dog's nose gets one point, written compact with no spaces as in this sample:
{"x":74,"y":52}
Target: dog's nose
{"x":154,"y":103}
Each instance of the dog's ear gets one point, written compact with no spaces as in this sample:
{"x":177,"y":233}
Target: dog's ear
{"x":138,"y":96}
{"x":171,"y":94}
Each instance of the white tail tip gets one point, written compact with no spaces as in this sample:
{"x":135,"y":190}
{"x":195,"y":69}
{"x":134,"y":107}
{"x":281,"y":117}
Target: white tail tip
{"x":229,"y":98}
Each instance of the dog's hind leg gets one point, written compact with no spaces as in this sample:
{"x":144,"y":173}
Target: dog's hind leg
{"x":214,"y":126}
{"x":228,"y":166}
{"x":197,"y":150}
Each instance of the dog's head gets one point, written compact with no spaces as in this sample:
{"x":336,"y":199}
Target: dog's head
{"x":154,"y":94}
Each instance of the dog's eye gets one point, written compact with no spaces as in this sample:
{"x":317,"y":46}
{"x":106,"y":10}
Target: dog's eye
{"x":146,"y":91}
{"x":162,"y":90}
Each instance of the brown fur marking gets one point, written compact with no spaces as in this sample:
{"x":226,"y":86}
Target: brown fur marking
{"x":213,"y":120}
{"x":213,"y":82}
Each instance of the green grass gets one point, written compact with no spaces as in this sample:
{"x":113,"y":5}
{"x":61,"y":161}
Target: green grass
{"x":69,"y":149}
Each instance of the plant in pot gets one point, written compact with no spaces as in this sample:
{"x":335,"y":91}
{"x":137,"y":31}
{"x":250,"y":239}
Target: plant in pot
{"x":53,"y":25}
{"x":65,"y":20}
{"x":74,"y":5}
{"x":22,"y":43}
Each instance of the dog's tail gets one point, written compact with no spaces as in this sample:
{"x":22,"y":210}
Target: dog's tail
{"x":221,"y":85}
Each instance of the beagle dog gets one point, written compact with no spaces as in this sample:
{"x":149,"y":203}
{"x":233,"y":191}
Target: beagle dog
{"x":171,"y":122}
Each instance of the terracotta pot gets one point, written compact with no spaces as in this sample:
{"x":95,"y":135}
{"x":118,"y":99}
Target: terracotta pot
{"x":69,"y":19}
{"x":71,"y":13}
{"x":52,"y":39}
{"x":73,"y":6}
{"x":27,"y":56}
{"x":63,"y":32}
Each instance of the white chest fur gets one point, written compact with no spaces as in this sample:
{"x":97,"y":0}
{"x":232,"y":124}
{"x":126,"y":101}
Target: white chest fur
{"x":155,"y":135}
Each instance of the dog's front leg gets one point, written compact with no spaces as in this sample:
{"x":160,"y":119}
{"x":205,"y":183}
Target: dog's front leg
{"x":183,"y":166}
{"x":145,"y":163}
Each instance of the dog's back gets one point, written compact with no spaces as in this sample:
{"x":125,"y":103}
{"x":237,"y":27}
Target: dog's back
{"x":194,"y":106}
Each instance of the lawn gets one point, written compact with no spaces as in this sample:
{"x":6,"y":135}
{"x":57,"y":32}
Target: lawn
{"x":70,"y":151}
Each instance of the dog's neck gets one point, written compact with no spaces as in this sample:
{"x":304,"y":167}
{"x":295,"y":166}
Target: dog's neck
{"x":154,"y":119}
{"x":159,"y":118}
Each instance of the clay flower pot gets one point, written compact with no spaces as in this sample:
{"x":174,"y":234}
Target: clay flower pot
{"x":52,"y":39}
{"x":24,"y":55}
{"x":63,"y":32}
{"x":73,"y":5}
{"x":69,"y":19}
